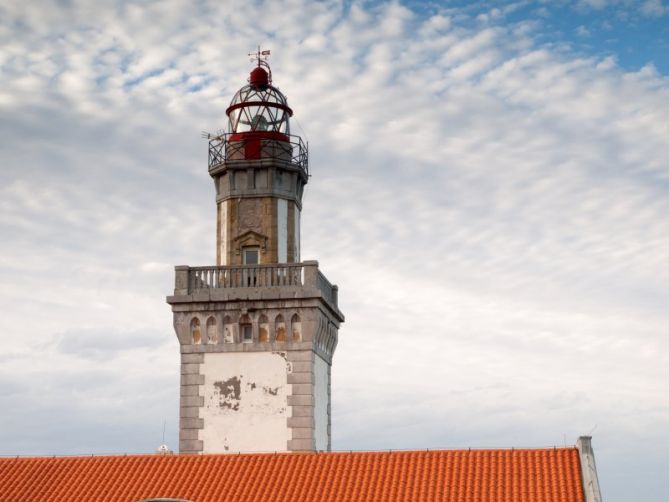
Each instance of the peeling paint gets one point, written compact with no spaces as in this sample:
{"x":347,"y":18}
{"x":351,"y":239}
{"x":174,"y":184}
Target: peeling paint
{"x":246,"y":396}
{"x":229,"y":392}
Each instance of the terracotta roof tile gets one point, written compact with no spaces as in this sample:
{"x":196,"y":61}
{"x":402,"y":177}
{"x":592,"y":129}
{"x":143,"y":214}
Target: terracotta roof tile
{"x":533,"y":475}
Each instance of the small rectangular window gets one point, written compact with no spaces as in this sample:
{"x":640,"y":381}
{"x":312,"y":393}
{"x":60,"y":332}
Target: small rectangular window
{"x":247,"y":334}
{"x":250,"y":256}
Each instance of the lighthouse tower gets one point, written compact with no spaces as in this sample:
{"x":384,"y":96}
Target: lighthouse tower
{"x":257,"y":331}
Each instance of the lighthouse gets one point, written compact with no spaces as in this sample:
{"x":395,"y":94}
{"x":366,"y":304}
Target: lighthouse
{"x":258,"y":330}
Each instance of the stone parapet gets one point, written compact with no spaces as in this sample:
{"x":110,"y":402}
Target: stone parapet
{"x":254,"y":282}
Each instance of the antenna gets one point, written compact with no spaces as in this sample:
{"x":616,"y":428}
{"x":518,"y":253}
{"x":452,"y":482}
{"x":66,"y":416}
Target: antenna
{"x":163,"y":448}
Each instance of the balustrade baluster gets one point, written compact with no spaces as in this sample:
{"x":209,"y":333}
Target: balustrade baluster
{"x":259,"y":276}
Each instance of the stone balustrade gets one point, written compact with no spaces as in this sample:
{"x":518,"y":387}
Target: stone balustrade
{"x":191,"y":280}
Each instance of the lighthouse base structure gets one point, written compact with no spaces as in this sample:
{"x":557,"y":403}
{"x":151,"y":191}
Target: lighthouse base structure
{"x":256,"y":350}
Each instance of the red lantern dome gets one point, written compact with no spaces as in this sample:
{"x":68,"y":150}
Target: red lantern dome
{"x":259,"y":77}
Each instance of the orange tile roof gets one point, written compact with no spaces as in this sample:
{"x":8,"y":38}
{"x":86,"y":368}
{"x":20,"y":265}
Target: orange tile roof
{"x":536,"y":475}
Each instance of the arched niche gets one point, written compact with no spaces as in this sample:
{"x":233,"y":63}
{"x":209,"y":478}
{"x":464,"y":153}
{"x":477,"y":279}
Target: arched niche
{"x":195,"y":331}
{"x":263,"y":329}
{"x":212,"y":331}
{"x":245,"y":329}
{"x":296,"y":328}
{"x":228,"y":330}
{"x":280,"y":329}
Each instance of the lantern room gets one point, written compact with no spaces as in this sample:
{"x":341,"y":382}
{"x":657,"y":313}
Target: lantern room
{"x":259,"y":107}
{"x":259,"y":171}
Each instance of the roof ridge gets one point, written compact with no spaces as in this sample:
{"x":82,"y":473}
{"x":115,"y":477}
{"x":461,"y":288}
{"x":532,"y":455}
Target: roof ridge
{"x":270,"y":453}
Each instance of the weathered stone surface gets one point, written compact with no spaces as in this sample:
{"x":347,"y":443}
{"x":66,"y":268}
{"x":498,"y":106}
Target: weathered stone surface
{"x":190,"y":446}
{"x":300,"y":355}
{"x":302,"y":388}
{"x":185,"y":434}
{"x":192,"y":379}
{"x":191,"y":423}
{"x":301,"y":377}
{"x":302,"y":366}
{"x":192,"y":401}
{"x":190,"y":390}
{"x":306,"y":421}
{"x":301,"y":400}
{"x":189,"y":411}
{"x":190,"y":369}
{"x":192,"y":358}
{"x":303,"y":411}
{"x":300,"y":444}
{"x":303,"y":432}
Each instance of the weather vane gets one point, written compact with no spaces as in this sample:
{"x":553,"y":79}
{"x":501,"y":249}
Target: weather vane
{"x":259,"y":55}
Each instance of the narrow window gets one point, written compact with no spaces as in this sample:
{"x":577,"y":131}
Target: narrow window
{"x":250,"y":255}
{"x":195,"y":333}
{"x":246,"y":328}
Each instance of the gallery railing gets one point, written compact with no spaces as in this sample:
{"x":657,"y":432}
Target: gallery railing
{"x":231,"y":147}
{"x":189,"y":280}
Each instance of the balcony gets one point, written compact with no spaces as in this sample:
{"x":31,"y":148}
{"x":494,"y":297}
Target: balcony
{"x":283,"y":280}
{"x":283,"y":149}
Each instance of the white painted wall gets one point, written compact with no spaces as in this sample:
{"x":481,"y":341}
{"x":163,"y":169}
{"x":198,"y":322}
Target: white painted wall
{"x":321,"y":400}
{"x":296,"y":233}
{"x":245,"y":402}
{"x":282,"y":224}
{"x":223,"y":222}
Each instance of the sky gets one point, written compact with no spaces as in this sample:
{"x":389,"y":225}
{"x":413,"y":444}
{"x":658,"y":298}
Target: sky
{"x":490,"y":191}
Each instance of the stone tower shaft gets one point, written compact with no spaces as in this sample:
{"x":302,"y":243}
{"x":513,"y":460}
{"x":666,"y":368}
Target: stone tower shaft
{"x":259,"y":170}
{"x":258,"y":330}
{"x":259,"y":184}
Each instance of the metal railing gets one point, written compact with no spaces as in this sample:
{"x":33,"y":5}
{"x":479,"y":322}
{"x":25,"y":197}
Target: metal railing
{"x":224,"y":149}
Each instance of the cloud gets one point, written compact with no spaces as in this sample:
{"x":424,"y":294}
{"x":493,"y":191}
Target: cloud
{"x":493,"y":209}
{"x":625,"y":8}
{"x":653,"y":8}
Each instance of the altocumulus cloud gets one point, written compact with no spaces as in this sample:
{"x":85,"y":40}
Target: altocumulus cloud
{"x":492,"y":207}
